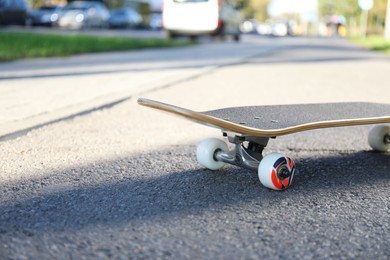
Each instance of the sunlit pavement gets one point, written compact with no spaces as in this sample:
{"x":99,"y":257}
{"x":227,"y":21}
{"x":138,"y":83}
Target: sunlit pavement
{"x":38,"y":91}
{"x":123,"y":182}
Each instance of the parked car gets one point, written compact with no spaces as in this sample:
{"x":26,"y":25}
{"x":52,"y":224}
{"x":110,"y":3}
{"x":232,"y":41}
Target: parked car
{"x":84,"y":14}
{"x":46,"y":15}
{"x":279,"y":29}
{"x":248,"y":26}
{"x":201,"y":17}
{"x":264,"y":28}
{"x":15,"y":12}
{"x":124,"y":18}
{"x":155,"y":22}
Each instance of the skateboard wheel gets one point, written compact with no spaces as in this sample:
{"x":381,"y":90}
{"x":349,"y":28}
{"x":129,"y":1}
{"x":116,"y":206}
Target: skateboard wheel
{"x":206,"y":150}
{"x":276,"y":171}
{"x":378,"y":138}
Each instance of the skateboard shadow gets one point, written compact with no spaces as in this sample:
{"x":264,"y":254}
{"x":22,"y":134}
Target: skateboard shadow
{"x":343,"y":170}
{"x":147,"y":191}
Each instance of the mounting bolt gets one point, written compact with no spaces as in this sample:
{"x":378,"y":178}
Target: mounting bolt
{"x":284,"y":172}
{"x":386,"y":139}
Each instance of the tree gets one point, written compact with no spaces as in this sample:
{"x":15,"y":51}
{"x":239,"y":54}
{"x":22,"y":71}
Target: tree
{"x":39,"y":3}
{"x":377,"y":17}
{"x":113,"y":3}
{"x":260,"y":7}
{"x":256,"y":9}
{"x":387,"y":22}
{"x":351,"y":11}
{"x":346,"y":8}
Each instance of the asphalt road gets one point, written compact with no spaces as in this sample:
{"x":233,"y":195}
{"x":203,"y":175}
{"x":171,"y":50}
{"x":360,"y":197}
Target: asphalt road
{"x":123,"y":182}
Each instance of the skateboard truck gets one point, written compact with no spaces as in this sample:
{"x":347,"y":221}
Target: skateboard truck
{"x":248,"y":153}
{"x":248,"y":156}
{"x":275,"y":170}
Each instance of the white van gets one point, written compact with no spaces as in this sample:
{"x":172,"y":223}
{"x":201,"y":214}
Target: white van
{"x":201,"y":17}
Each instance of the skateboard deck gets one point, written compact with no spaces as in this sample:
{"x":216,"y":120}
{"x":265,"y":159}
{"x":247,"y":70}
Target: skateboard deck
{"x":277,"y":120}
{"x":250,"y":128}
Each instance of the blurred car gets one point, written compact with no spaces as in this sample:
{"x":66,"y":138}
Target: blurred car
{"x":16,"y":12}
{"x":124,"y":18}
{"x":248,"y":26}
{"x":83,"y":14}
{"x":201,"y":17}
{"x":279,"y":29}
{"x":46,"y":15}
{"x":155,"y":22}
{"x":264,"y":29}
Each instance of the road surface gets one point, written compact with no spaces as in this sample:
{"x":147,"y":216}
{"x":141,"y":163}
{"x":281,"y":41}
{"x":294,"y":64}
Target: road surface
{"x":123,"y":182}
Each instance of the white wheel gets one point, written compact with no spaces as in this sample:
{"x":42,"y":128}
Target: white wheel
{"x":379,"y":138}
{"x":276,"y":171}
{"x":206,"y":151}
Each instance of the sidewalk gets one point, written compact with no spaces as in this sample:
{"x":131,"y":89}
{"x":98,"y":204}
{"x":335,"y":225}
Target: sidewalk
{"x":40,"y":91}
{"x":35,"y":98}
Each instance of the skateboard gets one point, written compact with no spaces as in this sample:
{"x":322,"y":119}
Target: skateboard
{"x":249,"y":129}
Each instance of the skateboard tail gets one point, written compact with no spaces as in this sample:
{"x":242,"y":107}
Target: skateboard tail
{"x":185,"y":113}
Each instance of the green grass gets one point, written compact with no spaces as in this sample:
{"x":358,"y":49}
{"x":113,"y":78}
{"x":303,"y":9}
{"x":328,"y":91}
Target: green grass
{"x":376,"y":43}
{"x":15,"y":45}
